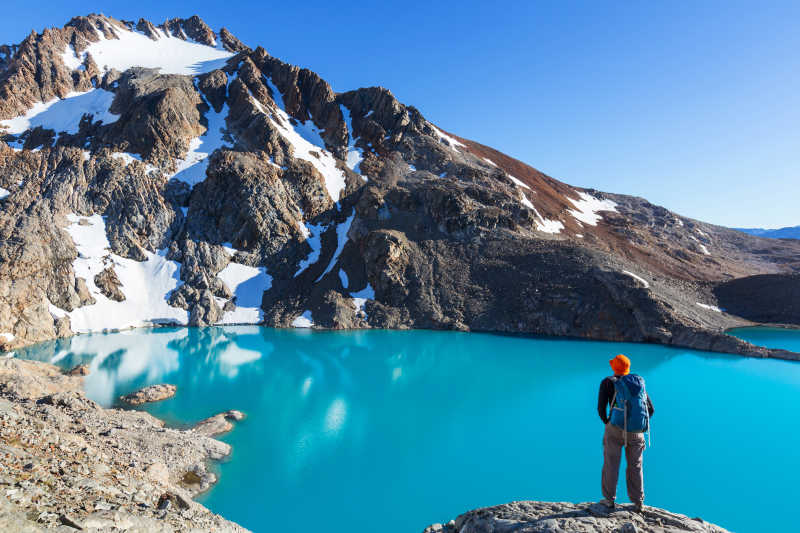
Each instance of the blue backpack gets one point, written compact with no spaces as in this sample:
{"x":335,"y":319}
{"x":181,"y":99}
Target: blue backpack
{"x":629,"y":406}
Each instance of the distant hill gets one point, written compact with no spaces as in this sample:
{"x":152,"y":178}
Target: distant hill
{"x":781,"y":233}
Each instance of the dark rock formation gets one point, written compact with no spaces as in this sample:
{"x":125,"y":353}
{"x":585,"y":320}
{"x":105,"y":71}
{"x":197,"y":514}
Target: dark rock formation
{"x":770,"y":298}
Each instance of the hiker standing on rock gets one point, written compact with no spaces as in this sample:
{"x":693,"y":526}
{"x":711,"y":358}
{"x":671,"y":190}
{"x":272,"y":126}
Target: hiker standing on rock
{"x":629,"y":419}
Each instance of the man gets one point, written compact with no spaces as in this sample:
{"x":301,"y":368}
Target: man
{"x":629,"y":418}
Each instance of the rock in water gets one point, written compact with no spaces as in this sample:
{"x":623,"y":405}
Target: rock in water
{"x":153,"y":393}
{"x":217,"y":424}
{"x":561,"y":517}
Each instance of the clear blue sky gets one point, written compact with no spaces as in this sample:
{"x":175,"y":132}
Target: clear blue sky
{"x":693,"y":105}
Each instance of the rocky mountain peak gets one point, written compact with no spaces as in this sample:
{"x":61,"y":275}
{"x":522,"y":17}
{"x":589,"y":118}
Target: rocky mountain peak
{"x":167,"y":173}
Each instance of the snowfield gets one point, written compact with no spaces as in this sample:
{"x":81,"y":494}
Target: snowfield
{"x":146,"y":285}
{"x":64,"y":115}
{"x":170,"y":55}
{"x":587,"y":207}
{"x":248,"y":285}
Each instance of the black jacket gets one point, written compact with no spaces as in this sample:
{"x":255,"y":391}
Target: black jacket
{"x":607,"y":394}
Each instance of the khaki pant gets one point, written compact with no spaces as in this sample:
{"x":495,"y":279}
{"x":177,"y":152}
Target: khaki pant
{"x":613,"y":442}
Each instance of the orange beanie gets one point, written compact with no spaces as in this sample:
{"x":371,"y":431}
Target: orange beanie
{"x":620,"y":364}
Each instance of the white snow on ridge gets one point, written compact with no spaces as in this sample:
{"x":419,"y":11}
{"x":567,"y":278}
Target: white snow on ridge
{"x":303,"y":321}
{"x":4,"y":193}
{"x":710,"y":307}
{"x":520,"y":183}
{"x":587,"y":207}
{"x":638,"y":278}
{"x":305,"y":139}
{"x":169,"y":54}
{"x":248,"y":285}
{"x":448,"y":139}
{"x":64,"y":115}
{"x":146,"y":285}
{"x":489,"y":161}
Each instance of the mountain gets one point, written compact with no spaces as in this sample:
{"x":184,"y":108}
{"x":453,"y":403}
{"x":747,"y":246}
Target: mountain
{"x":780,"y":233}
{"x":171,"y":174}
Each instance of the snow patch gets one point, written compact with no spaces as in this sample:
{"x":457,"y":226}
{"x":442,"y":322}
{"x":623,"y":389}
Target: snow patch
{"x":313,"y":234}
{"x":71,"y":58}
{"x":446,"y":139}
{"x":4,"y":193}
{"x":637,"y":278}
{"x":64,"y":115}
{"x":248,"y":285}
{"x":169,"y":54}
{"x":341,"y":240}
{"x":354,"y":155}
{"x":587,"y":207}
{"x":307,"y":144}
{"x":127,"y":159}
{"x":303,"y":321}
{"x":192,"y":168}
{"x":7,"y":336}
{"x":489,"y":161}
{"x":710,"y":307}
{"x":146,"y":285}
{"x":520,"y":183}
{"x":360,"y":298}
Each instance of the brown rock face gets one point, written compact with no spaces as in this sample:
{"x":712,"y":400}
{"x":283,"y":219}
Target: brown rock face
{"x":109,"y":284}
{"x":354,"y":207}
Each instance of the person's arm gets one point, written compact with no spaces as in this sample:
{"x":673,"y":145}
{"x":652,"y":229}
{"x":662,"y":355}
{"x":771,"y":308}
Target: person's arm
{"x":603,"y":399}
{"x":650,"y":408}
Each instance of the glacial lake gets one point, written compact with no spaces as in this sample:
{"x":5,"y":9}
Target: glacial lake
{"x":394,"y":430}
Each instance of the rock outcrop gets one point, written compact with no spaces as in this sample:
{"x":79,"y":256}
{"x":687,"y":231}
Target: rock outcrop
{"x":236,"y":188}
{"x":68,"y":463}
{"x":560,"y":517}
{"x":150,"y":394}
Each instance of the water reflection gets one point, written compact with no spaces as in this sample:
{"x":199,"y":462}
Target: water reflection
{"x":405,"y":428}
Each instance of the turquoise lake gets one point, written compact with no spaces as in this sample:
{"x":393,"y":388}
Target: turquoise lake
{"x":394,"y":430}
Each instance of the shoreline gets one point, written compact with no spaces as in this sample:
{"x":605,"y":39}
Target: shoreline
{"x":690,"y":339}
{"x":68,"y":461}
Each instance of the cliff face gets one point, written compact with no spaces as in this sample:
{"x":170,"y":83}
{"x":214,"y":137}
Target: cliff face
{"x":170,"y":174}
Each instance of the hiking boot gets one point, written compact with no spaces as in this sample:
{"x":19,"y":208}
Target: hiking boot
{"x":638,"y":507}
{"x":607,"y":503}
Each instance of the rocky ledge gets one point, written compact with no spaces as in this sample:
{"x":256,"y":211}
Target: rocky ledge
{"x":68,"y":464}
{"x":552,"y":517}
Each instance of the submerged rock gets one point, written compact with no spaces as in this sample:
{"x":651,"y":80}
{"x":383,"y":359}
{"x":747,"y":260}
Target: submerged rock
{"x":153,"y":393}
{"x":561,"y":517}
